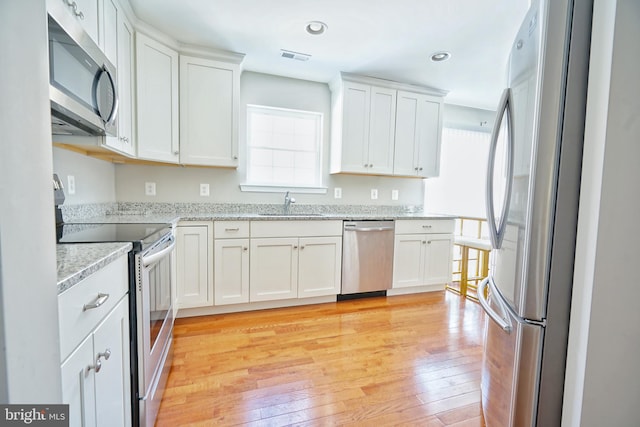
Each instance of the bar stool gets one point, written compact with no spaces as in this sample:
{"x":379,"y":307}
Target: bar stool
{"x":483,"y":247}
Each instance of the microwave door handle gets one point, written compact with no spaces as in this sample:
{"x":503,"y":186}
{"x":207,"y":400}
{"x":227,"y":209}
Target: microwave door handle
{"x":116,"y":99}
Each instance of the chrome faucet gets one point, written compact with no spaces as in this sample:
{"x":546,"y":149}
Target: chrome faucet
{"x":287,"y":203}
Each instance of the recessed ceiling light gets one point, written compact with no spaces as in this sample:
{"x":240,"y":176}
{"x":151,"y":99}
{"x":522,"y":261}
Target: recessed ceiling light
{"x":315,"y":28}
{"x":440,"y":56}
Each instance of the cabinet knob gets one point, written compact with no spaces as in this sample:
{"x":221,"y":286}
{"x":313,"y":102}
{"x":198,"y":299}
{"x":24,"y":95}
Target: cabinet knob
{"x":301,"y":247}
{"x":106,"y":354}
{"x":424,"y":242}
{"x":295,"y":247}
{"x":366,"y":165}
{"x":176,"y":152}
{"x":416,"y":169}
{"x":245,"y":249}
{"x":420,"y":169}
{"x":235,"y":157}
{"x":95,"y":367}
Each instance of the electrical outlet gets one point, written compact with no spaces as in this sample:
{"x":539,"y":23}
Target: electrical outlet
{"x":394,"y":194}
{"x":374,"y":193}
{"x":337,"y":193}
{"x":150,"y":188}
{"x":71,"y":184}
{"x":204,"y":189}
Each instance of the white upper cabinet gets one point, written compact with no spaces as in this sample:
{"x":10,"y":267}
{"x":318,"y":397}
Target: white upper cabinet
{"x":117,"y":36}
{"x":362,"y":134}
{"x":85,"y":12}
{"x":381,"y":127}
{"x":209,"y":107}
{"x":417,"y":134}
{"x":157,"y":100}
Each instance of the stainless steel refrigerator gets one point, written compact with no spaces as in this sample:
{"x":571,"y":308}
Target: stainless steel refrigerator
{"x":533,"y":185}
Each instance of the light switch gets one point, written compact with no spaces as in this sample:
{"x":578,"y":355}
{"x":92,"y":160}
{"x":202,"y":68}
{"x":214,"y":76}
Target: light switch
{"x":394,"y":194}
{"x":204,"y":189}
{"x":337,"y":193}
{"x":150,"y":188}
{"x":374,"y":193}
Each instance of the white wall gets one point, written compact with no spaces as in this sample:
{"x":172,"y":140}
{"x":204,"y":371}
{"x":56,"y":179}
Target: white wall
{"x":29,"y":345}
{"x":602,"y":385}
{"x":95,"y":179}
{"x":181,"y":184}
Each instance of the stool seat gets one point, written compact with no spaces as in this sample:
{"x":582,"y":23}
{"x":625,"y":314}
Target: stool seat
{"x":479,"y":244}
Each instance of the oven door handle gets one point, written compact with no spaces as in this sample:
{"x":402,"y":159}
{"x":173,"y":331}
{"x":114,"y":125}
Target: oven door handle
{"x":150,"y":259}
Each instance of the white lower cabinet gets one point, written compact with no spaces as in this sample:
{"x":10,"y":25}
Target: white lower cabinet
{"x":423,"y":257}
{"x":231,"y":271}
{"x":194,"y":267}
{"x":319,"y":266}
{"x":95,"y":349}
{"x":291,"y":267}
{"x":274,"y":269}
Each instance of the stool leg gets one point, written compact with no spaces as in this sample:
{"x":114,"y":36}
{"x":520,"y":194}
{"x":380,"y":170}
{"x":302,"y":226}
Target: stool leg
{"x":464,"y":271}
{"x":485,"y":266}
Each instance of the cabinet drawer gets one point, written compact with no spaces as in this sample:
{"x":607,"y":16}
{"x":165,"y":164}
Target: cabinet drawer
{"x":75,"y":321}
{"x":296,"y":228}
{"x":230,"y":229}
{"x":425,"y":226}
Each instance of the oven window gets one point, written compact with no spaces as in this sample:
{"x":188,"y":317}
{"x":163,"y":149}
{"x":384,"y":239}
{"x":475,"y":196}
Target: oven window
{"x":159,"y":297}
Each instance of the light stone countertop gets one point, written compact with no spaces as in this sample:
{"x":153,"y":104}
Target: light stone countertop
{"x":77,"y":261}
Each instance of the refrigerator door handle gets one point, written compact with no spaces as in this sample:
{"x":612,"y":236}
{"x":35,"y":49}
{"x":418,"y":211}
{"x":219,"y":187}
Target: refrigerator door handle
{"x":503,"y":321}
{"x":496,"y":231}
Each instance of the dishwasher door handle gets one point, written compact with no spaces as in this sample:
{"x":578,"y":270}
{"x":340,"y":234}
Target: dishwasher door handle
{"x":368,"y":229}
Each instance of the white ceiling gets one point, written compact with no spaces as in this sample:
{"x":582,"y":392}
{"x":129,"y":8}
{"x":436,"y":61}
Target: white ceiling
{"x":380,"y":38}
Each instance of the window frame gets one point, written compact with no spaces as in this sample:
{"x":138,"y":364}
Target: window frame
{"x":317,"y":188}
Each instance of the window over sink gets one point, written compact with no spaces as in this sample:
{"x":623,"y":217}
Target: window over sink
{"x":284,"y":149}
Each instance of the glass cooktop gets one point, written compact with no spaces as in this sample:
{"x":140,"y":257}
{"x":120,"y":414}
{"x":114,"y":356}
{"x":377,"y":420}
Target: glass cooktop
{"x":141,"y":235}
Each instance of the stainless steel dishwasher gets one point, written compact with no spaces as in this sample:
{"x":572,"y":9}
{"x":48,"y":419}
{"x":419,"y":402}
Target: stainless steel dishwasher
{"x":367,"y":256}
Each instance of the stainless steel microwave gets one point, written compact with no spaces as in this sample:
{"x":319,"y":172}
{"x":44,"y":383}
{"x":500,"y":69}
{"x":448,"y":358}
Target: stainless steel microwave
{"x":82,"y":81}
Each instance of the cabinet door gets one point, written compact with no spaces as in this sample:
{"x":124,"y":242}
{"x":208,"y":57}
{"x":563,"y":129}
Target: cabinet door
{"x":418,"y":135}
{"x":192,"y":264}
{"x":87,"y":15}
{"x":382,"y":126}
{"x":125,"y":85}
{"x":112,"y":386}
{"x":231,"y":271}
{"x":78,"y":384}
{"x":123,"y":142}
{"x":427,"y":149}
{"x":409,"y":260}
{"x":319,"y":266}
{"x":355,"y":127}
{"x":438,"y":259}
{"x":406,"y":137}
{"x":109,"y":31}
{"x":157,"y":100}
{"x":273,"y":269}
{"x":209,"y":105}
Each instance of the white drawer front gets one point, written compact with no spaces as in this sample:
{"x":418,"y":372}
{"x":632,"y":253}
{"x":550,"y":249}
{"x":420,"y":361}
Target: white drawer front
{"x":230,"y":229}
{"x":75,"y":321}
{"x":425,"y":226}
{"x":296,"y":228}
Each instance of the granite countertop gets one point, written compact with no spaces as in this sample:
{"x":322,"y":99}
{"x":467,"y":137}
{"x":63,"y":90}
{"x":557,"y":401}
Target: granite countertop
{"x":77,"y":261}
{"x":191,"y":216}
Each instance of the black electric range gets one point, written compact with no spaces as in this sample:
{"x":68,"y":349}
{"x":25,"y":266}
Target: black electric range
{"x":141,"y":235}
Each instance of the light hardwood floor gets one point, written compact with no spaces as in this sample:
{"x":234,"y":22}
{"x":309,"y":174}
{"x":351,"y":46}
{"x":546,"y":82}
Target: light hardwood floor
{"x":404,"y":360}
